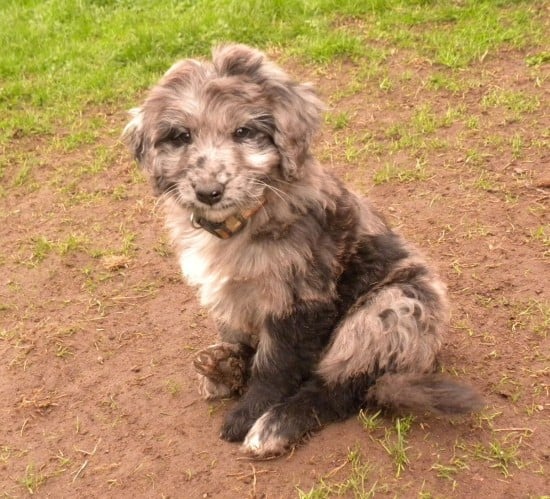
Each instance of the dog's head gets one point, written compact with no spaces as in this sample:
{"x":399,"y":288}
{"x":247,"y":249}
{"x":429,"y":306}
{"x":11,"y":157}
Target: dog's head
{"x":213,"y":135}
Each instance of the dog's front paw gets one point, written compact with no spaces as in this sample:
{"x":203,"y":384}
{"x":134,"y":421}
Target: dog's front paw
{"x":237,"y":423}
{"x":265,"y":438}
{"x":210,"y":390}
{"x":224,"y":364}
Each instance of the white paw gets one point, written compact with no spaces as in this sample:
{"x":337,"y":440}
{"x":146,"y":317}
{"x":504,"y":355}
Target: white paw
{"x":264,"y":439}
{"x":209,"y":390}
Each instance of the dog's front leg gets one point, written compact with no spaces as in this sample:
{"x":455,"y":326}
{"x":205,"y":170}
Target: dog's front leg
{"x":288,"y":350}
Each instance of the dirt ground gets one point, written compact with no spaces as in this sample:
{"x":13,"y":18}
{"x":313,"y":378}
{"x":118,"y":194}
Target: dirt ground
{"x":97,"y":329}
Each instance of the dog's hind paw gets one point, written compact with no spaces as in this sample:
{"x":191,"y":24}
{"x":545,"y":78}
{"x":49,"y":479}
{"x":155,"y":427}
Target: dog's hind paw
{"x":265,"y":438}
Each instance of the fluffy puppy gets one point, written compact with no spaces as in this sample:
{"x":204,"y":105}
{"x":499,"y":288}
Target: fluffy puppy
{"x":322,"y":309}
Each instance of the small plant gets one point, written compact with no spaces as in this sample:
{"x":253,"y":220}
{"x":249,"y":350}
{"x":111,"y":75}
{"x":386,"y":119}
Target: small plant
{"x":356,"y":483}
{"x":502,"y":456}
{"x":63,"y":351}
{"x":32,"y":479}
{"x":397,"y":447}
{"x":392,"y":172}
{"x":370,"y":422}
{"x":338,"y":121}
{"x":42,"y":248}
{"x":173,"y":387}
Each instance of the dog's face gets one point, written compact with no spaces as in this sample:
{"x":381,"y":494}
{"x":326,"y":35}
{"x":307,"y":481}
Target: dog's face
{"x":214,"y":135}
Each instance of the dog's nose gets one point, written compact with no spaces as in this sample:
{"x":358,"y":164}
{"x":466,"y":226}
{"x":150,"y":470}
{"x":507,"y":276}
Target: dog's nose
{"x":209,"y":193}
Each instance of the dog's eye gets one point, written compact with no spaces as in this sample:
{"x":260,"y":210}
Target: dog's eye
{"x":179,"y":138}
{"x":243,"y":133}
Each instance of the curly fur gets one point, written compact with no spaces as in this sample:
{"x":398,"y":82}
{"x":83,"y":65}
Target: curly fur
{"x":339,"y":312}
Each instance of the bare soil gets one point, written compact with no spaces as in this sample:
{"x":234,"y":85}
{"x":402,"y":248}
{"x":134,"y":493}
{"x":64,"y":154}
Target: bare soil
{"x":96,"y":338}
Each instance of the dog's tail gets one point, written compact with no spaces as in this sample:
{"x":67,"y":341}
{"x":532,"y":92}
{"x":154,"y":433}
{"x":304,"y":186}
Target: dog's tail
{"x":418,"y":393}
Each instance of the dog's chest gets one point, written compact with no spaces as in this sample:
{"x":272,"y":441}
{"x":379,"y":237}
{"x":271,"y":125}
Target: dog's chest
{"x":240,"y":286}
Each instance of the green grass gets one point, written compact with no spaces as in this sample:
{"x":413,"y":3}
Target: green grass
{"x":63,"y":58}
{"x":395,"y":443}
{"x":394,"y":173}
{"x":355,"y":485}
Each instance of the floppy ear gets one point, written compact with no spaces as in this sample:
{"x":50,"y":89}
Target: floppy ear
{"x":295,"y":107}
{"x":133,"y":135}
{"x":297,"y":114}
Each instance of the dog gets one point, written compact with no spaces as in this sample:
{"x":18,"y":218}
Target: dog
{"x":321,"y":307}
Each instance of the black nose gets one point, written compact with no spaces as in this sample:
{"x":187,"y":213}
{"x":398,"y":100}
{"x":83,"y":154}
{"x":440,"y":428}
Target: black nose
{"x":209,"y":193}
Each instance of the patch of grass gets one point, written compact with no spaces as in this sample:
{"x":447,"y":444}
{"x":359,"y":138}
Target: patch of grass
{"x":173,"y":387}
{"x":338,"y":121}
{"x":370,"y":422}
{"x":502,"y":456}
{"x":32,"y":479}
{"x":444,"y":81}
{"x":516,"y":102}
{"x":73,"y":242}
{"x":485,"y":182}
{"x":541,"y":234}
{"x":42,"y":247}
{"x":64,"y":57}
{"x":424,"y":119}
{"x":355,"y":485}
{"x":533,"y":314}
{"x":395,"y":443}
{"x":456,"y":34}
{"x":394,"y":173}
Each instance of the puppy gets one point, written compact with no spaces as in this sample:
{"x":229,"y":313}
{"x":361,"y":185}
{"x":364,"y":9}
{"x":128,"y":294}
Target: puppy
{"x":322,"y":309}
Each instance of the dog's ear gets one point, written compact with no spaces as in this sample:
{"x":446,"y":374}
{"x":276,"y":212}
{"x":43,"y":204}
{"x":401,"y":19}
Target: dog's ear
{"x":297,"y":115}
{"x":237,"y":60}
{"x":296,"y":108}
{"x":133,"y":135}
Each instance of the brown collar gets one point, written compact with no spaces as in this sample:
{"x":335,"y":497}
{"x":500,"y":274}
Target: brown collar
{"x":230,"y":226}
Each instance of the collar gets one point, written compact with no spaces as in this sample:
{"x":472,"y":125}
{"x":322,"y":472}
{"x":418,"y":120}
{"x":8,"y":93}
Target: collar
{"x":230,"y":226}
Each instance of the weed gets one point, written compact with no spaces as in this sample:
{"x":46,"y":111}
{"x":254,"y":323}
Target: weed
{"x":392,"y":172}
{"x":444,"y":81}
{"x":517,"y":102}
{"x":32,"y":479}
{"x":73,"y":242}
{"x":338,"y":121}
{"x":424,"y":120}
{"x":502,"y":456}
{"x":63,"y":351}
{"x":42,"y":247}
{"x":356,"y":484}
{"x":541,"y":234}
{"x":23,"y":175}
{"x":370,"y":422}
{"x":173,"y":387}
{"x":397,"y":447}
{"x":484,"y":182}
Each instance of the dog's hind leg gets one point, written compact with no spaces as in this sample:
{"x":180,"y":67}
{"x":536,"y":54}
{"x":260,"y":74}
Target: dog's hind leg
{"x":314,"y":406}
{"x":223,"y":369}
{"x":317,"y":404}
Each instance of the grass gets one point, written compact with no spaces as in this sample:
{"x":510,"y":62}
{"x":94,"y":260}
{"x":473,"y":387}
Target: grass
{"x":32,"y":479}
{"x":395,"y":443}
{"x":394,"y":173}
{"x":64,"y":58}
{"x":356,"y":484}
